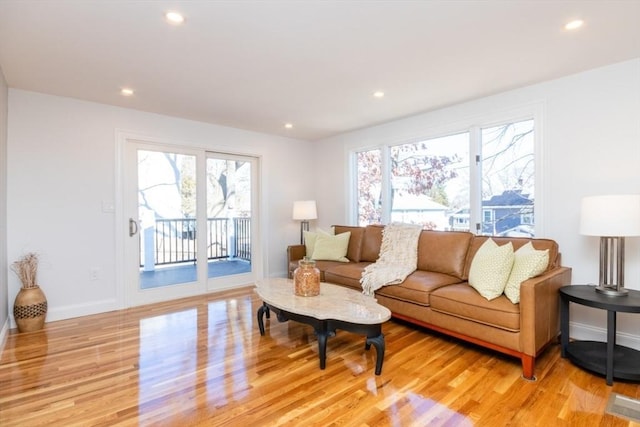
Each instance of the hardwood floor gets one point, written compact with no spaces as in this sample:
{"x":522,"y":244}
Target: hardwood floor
{"x":202,"y":362}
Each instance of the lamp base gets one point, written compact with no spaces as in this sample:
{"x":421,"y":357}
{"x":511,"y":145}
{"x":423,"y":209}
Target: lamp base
{"x":612,"y":291}
{"x":304,"y":226}
{"x":611,"y":280}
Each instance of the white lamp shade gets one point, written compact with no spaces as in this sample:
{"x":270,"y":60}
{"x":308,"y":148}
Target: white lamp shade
{"x":305,"y":210}
{"x":610,"y":216}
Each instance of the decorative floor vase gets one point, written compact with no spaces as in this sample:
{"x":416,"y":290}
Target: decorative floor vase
{"x":30,"y":309}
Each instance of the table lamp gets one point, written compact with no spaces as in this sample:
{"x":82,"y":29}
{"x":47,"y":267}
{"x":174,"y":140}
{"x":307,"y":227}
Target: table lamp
{"x":304,"y":211}
{"x":612,"y":218}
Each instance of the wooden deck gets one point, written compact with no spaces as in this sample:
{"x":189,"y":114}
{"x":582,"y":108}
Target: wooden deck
{"x":184,"y":273}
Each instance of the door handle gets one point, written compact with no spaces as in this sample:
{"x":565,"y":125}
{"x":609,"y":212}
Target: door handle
{"x":133,"y":227}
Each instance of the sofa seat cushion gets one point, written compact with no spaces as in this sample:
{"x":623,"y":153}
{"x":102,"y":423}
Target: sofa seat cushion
{"x":346,"y":274}
{"x":461,"y":300}
{"x":417,"y":287}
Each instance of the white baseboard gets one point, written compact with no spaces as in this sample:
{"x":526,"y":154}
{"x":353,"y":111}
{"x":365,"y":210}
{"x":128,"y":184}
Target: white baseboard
{"x":581,"y":331}
{"x":78,"y":310}
{"x":3,"y":335}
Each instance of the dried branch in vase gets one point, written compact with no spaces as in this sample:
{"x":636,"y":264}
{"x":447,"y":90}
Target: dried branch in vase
{"x":27,"y":268}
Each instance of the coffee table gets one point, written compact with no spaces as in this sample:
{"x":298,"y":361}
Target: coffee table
{"x":337,"y":307}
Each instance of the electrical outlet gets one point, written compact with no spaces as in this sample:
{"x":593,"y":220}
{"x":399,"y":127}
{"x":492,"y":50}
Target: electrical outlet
{"x":94,"y":274}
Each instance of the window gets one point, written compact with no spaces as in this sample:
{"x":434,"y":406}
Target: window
{"x":526,"y":218}
{"x":430,"y":181}
{"x":369,"y":173}
{"x":487,"y":216}
{"x":508,"y":178}
{"x":433,"y":182}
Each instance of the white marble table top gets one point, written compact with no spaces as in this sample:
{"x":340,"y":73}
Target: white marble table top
{"x":334,"y":302}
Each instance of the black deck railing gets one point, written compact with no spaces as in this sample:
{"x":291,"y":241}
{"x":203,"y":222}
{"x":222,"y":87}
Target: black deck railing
{"x":176,"y":239}
{"x":242,"y":233}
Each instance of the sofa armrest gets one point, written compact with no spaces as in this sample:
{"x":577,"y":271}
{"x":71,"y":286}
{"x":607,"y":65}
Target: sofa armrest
{"x":540,"y":309}
{"x":294,"y":254}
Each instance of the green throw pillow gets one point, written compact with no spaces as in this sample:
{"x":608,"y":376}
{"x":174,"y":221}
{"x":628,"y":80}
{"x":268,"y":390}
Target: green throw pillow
{"x":310,"y":240}
{"x":528,"y":263}
{"x":331,"y":248}
{"x":490,"y":269}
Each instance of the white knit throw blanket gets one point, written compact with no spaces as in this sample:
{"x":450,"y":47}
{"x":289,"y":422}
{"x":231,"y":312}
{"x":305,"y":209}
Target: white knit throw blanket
{"x":398,"y":257}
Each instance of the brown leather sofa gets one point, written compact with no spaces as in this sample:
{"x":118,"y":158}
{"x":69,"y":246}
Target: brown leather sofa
{"x":438,"y":296}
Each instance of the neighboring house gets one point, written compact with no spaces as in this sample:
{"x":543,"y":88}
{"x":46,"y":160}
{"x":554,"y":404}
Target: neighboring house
{"x":508,"y":214}
{"x":459,"y":220}
{"x":420,"y":209}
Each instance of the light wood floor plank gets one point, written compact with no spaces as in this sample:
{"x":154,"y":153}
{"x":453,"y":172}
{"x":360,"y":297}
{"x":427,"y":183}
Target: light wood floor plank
{"x":202,"y":362}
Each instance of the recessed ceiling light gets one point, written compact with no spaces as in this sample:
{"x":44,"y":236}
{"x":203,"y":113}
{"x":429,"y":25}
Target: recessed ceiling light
{"x":174,"y":17}
{"x":288,"y":126}
{"x":378,"y":94}
{"x":574,"y":25}
{"x":126,"y":91}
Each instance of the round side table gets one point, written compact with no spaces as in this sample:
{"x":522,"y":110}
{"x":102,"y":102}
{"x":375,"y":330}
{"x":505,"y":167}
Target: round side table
{"x":605,"y":358}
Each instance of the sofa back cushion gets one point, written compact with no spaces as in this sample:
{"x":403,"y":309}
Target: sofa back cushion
{"x":371,"y":242}
{"x":354,"y":250}
{"x":444,"y":251}
{"x":518,"y":242}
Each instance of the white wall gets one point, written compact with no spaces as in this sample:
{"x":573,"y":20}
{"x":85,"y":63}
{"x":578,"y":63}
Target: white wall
{"x":62,"y":166}
{"x":591,"y":137}
{"x":4,"y":306}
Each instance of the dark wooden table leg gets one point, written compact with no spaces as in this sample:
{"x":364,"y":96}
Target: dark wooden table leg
{"x":564,"y":325}
{"x":611,"y":344}
{"x":322,"y":333}
{"x":261,"y":311}
{"x":378,"y":343}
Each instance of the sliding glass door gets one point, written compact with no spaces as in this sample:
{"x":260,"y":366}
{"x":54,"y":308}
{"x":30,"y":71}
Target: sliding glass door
{"x":229,"y":214}
{"x":190,"y":221}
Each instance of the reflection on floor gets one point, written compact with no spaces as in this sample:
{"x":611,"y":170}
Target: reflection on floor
{"x":201,"y":362}
{"x":171,"y":275}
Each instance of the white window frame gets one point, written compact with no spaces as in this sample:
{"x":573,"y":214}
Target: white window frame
{"x":474,"y":125}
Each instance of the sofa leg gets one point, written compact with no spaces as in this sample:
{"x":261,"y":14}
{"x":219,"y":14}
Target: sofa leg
{"x":528,"y":366}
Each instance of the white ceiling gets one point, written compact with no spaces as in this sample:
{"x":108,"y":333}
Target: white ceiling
{"x":258,"y":64}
